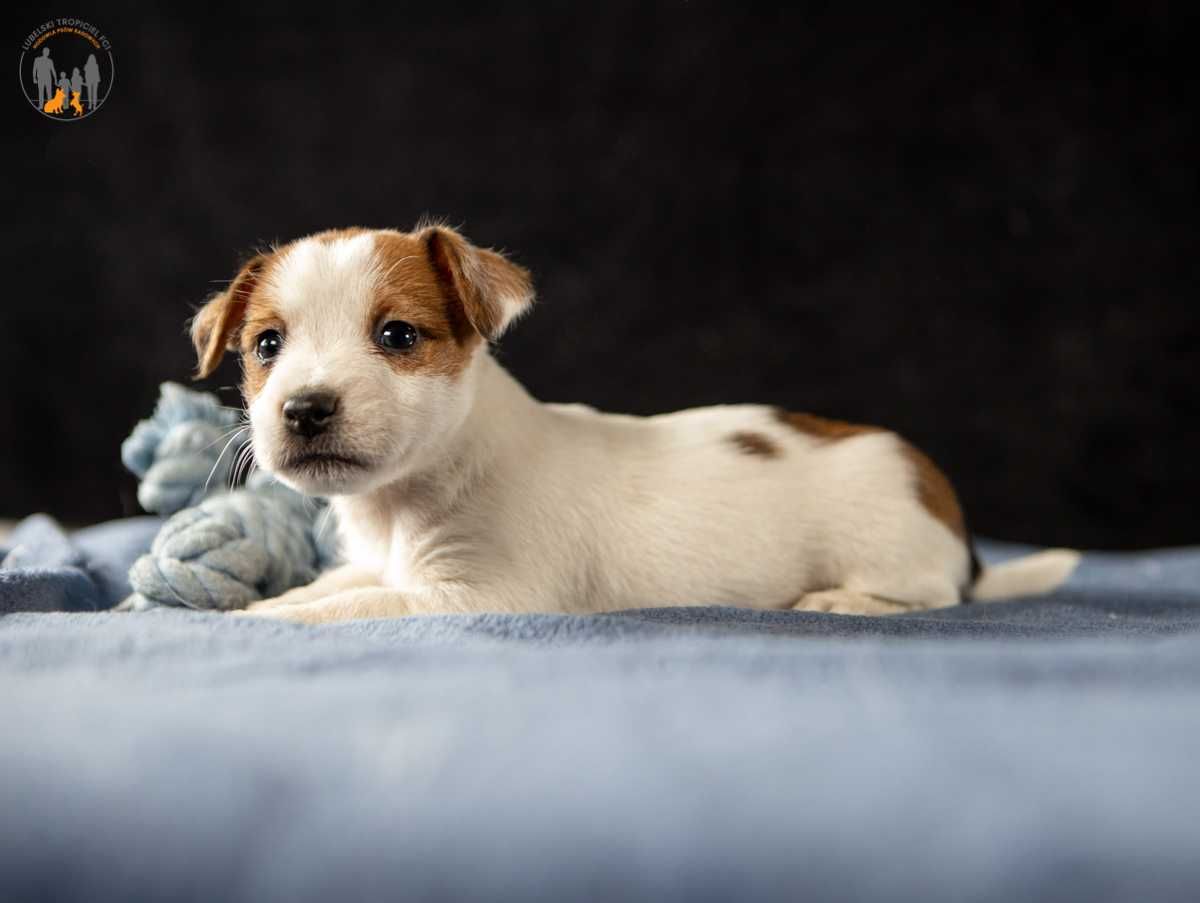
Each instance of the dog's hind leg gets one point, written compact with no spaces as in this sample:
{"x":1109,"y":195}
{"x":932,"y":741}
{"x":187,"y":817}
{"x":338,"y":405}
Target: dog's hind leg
{"x":848,"y":602}
{"x":883,"y":597}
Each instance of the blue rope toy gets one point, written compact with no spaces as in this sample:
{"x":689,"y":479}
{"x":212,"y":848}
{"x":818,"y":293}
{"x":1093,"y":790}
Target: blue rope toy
{"x":220,"y":548}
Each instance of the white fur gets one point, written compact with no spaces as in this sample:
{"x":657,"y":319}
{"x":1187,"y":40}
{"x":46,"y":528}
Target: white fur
{"x":1025,"y":576}
{"x":325,"y":291}
{"x":480,"y":498}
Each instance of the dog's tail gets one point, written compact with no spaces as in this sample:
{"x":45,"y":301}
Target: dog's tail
{"x":1029,"y":575}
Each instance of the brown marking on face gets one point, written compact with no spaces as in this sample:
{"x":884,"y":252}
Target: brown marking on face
{"x":329,"y":236}
{"x":261,"y":315}
{"x":432,"y":278}
{"x":935,"y":492}
{"x":822,"y":427}
{"x":410,"y":291}
{"x":217,"y":326}
{"x":754,"y":444}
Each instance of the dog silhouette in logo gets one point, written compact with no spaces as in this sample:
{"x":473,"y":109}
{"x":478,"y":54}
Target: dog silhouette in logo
{"x":55,"y":103}
{"x":75,"y":104}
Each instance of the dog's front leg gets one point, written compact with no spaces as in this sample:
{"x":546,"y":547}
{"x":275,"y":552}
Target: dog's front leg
{"x":333,"y":581}
{"x":366,"y":602}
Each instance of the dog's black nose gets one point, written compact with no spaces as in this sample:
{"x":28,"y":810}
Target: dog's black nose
{"x":309,"y":413}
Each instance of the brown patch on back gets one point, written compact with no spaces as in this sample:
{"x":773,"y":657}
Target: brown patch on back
{"x":822,"y":427}
{"x":754,"y":444}
{"x":933,"y":489}
{"x":935,"y":492}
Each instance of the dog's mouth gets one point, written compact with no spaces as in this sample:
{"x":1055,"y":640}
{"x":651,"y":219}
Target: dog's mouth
{"x":319,"y":462}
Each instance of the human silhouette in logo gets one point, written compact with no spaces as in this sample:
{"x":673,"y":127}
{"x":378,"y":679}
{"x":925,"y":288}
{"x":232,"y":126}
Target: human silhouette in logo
{"x":76,"y":81}
{"x":64,"y":84}
{"x":91,"y":78}
{"x":43,"y":76}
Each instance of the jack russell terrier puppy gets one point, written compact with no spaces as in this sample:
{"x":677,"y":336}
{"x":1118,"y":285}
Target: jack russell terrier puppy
{"x":368,"y":380}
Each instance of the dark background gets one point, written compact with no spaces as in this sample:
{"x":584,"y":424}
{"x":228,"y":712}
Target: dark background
{"x":978,"y":230}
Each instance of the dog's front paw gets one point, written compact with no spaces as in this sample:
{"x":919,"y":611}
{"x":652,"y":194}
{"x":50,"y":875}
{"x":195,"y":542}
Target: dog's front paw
{"x":353,"y":604}
{"x":275,"y":608}
{"x":263,"y":606}
{"x":274,"y":614}
{"x":301,"y":613}
{"x":277,"y":614}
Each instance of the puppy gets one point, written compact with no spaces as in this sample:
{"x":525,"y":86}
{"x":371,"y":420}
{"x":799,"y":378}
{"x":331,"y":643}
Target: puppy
{"x":55,"y":103}
{"x":368,"y":380}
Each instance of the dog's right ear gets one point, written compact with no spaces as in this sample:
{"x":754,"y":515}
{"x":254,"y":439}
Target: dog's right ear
{"x":216,"y":326}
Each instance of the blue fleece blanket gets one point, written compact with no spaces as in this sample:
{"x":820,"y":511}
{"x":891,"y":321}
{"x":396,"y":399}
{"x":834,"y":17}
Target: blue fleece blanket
{"x":1041,"y":749}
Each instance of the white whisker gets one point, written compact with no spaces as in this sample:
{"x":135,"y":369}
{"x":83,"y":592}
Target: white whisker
{"x":224,"y":435}
{"x":217,"y":462}
{"x":324,"y":521}
{"x":244,"y":454}
{"x":392,"y":268}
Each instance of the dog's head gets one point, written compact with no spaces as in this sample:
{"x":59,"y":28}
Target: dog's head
{"x":359,"y":349}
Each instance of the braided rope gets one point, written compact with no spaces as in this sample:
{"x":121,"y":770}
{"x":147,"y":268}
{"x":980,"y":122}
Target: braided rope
{"x":219,"y":550}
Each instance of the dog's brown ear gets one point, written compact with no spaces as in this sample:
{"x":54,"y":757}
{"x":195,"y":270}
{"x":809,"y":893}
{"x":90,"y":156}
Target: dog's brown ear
{"x":216,"y":326}
{"x":493,"y":290}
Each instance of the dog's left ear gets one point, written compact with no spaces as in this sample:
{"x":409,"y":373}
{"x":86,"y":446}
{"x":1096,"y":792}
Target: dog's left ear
{"x":493,"y":291}
{"x":217,"y":325}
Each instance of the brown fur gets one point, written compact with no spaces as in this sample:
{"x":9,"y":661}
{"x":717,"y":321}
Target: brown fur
{"x":412,"y":291}
{"x":754,"y":444}
{"x":329,"y":236}
{"x":935,"y":492}
{"x":933,"y":488}
{"x":432,"y":278}
{"x":216,"y":328}
{"x":479,"y":278}
{"x":261,"y":315}
{"x":822,"y":427}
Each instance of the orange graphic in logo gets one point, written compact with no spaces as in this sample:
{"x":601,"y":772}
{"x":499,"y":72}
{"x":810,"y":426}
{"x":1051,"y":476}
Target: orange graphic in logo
{"x":75,"y":104}
{"x":54,"y":104}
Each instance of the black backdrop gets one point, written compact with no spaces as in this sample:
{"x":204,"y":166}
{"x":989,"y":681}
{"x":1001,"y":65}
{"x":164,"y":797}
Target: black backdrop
{"x":980,"y":231}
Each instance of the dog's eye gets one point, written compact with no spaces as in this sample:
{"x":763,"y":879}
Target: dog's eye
{"x":269,"y":344}
{"x":398,"y":335}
